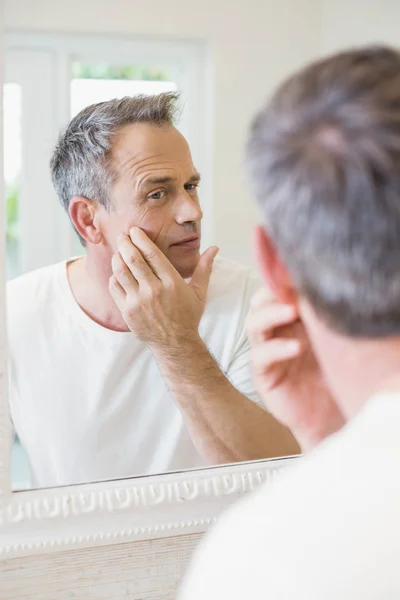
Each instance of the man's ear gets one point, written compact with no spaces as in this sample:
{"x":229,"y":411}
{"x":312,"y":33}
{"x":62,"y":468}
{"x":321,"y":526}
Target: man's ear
{"x":273,"y":271}
{"x":83,"y":213}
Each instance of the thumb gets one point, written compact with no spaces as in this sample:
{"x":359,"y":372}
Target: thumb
{"x":201,"y":276}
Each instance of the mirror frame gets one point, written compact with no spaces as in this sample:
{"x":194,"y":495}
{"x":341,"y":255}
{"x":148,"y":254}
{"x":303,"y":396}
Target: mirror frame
{"x":137,"y":509}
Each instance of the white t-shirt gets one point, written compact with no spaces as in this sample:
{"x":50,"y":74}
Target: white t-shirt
{"x":328,"y":529}
{"x":89,"y":403}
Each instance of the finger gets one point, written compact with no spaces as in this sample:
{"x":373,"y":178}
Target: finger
{"x":156,"y":260}
{"x":136,"y":262}
{"x":201,"y":276}
{"x":260,"y":324}
{"x":262,"y":297}
{"x":123,"y":275}
{"x":273,"y":352}
{"x":117,"y":292}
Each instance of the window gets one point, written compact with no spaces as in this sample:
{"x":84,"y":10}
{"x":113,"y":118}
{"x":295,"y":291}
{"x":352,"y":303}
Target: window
{"x":99,"y":82}
{"x":12,"y":173}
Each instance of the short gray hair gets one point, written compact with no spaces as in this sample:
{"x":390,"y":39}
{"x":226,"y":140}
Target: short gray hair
{"x":324,"y":163}
{"x":80,"y":164}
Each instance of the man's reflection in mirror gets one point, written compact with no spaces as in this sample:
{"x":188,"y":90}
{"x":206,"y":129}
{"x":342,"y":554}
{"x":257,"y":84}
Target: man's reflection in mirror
{"x":133,"y":358}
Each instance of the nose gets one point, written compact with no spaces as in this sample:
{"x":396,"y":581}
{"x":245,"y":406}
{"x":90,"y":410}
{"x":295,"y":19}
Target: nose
{"x":188,"y":210}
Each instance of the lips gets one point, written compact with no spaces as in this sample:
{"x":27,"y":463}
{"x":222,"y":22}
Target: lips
{"x":190,"y":242}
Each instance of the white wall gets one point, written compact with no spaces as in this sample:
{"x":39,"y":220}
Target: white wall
{"x":347,"y":23}
{"x":252,"y":44}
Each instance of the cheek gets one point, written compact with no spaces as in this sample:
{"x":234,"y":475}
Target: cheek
{"x":156,"y":223}
{"x":112,"y":228}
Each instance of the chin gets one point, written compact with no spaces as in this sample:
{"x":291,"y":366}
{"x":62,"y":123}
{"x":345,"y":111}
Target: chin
{"x":186,"y":267}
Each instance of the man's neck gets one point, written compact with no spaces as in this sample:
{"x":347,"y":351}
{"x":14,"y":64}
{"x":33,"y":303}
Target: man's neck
{"x":355,"y":368}
{"x":88,"y":278}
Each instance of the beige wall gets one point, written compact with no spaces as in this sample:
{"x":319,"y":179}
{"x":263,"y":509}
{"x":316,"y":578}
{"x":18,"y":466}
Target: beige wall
{"x":354,"y":22}
{"x":252,"y":44}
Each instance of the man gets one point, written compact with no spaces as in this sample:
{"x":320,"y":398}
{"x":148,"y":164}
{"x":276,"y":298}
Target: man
{"x":119,"y":365}
{"x":324,"y":163}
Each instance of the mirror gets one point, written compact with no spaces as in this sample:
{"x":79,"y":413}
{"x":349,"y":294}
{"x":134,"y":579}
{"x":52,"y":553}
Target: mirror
{"x":151,"y":374}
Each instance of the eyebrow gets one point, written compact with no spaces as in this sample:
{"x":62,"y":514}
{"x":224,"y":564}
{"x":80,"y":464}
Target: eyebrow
{"x":160,"y":180}
{"x":194,"y":178}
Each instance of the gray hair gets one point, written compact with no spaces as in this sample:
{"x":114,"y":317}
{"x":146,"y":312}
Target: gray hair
{"x":324,"y":163}
{"x":80,"y":165}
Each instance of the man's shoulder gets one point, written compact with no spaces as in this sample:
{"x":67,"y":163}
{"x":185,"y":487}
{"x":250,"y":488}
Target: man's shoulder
{"x":326,"y":504}
{"x":232,"y":285}
{"x":233,"y":278}
{"x":33,"y":290}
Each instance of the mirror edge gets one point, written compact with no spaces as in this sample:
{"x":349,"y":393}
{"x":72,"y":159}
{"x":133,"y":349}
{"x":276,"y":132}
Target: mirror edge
{"x":5,"y":428}
{"x":100,"y":514}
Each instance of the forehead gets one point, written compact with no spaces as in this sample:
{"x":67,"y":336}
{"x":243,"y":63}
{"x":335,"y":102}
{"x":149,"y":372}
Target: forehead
{"x":142,"y":147}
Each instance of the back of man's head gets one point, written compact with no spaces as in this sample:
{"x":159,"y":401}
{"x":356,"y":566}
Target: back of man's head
{"x":324,"y":162}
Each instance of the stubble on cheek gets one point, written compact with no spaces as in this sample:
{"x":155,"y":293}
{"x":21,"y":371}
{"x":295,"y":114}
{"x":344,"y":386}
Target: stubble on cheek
{"x":151,"y":223}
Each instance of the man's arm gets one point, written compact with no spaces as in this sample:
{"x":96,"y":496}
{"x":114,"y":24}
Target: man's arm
{"x":224,"y":425}
{"x":164,"y":312}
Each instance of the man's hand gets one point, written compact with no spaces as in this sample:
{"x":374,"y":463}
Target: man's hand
{"x":164,"y":311}
{"x":286,"y":373}
{"x":155,"y":301}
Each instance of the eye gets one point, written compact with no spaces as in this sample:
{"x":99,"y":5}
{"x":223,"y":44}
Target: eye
{"x":158,"y":195}
{"x":191,"y":186}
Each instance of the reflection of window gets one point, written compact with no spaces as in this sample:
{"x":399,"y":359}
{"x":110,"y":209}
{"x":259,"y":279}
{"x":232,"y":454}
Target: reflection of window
{"x":100,"y":82}
{"x":12,"y":172}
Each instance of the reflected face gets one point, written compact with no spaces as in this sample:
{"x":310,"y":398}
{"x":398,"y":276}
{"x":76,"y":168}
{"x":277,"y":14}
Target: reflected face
{"x":155,"y":189}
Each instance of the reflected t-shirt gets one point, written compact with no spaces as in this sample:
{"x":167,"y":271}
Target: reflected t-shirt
{"x":327,"y":529}
{"x":88,"y":403}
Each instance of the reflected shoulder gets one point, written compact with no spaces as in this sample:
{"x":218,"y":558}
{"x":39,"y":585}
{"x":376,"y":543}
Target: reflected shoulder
{"x":229,"y":273}
{"x":28,"y":292}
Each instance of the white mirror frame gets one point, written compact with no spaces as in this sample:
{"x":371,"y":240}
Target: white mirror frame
{"x":118,"y":539}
